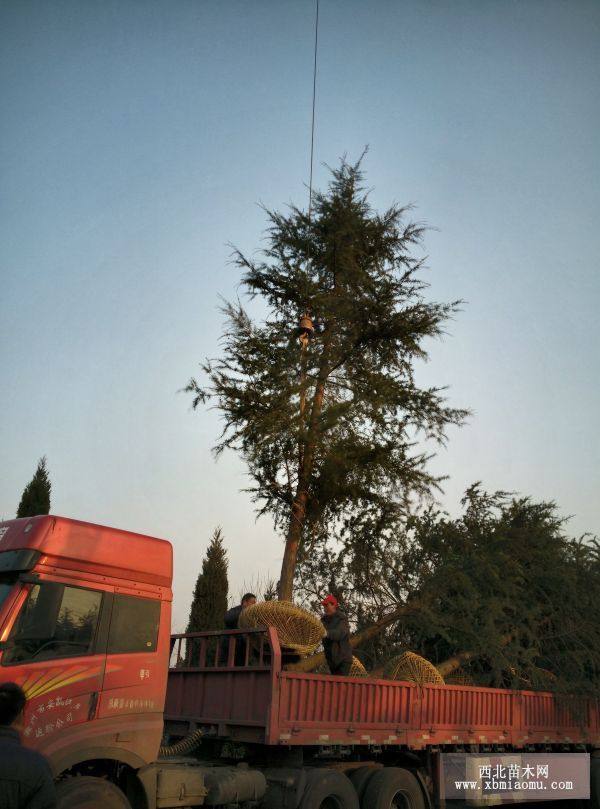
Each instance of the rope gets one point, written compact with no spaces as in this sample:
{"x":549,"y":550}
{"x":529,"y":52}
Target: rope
{"x":312,"y":128}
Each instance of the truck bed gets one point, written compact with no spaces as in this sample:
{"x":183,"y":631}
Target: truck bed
{"x":234,"y":683}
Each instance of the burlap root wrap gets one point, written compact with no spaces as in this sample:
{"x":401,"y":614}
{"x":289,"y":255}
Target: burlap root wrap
{"x":298,"y":630}
{"x":413,"y":668}
{"x":356,"y":670}
{"x":460,"y":677}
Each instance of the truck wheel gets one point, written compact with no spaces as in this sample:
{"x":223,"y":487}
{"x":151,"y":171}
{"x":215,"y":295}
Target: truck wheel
{"x":360,"y":778}
{"x":86,"y":792}
{"x":393,"y":788}
{"x":328,"y":789}
{"x":595,"y":783}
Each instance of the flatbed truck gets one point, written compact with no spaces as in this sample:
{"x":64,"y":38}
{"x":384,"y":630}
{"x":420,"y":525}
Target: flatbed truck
{"x":132,"y":717}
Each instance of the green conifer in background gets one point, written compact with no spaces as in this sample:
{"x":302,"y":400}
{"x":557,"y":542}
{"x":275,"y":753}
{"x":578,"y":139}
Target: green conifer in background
{"x":209,"y":603}
{"x":36,"y":495}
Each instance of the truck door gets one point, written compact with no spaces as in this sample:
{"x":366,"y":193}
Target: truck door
{"x":136,"y":669}
{"x":55,"y":650}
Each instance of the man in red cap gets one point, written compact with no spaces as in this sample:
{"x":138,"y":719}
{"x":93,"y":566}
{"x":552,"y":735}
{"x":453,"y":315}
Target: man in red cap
{"x":338,"y":651}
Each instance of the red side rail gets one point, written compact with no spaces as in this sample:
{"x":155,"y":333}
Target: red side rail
{"x":227,"y":681}
{"x":319,"y":710}
{"x":246,"y":695}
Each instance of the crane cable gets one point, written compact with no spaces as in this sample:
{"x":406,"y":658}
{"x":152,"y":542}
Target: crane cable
{"x":312,"y":128}
{"x":305,"y":336}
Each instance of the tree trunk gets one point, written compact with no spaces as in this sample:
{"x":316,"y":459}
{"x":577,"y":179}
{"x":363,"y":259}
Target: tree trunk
{"x":292,"y":545}
{"x":445,"y":668}
{"x":298,"y":515}
{"x":454,"y":662}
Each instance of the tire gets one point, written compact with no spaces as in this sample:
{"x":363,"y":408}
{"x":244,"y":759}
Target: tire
{"x":393,"y":788}
{"x":360,"y":778}
{"x":85,"y":792}
{"x":328,"y":789}
{"x":595,"y":783}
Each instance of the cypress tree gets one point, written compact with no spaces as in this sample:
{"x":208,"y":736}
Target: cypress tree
{"x":320,"y":398}
{"x":36,"y":495}
{"x":209,"y":603}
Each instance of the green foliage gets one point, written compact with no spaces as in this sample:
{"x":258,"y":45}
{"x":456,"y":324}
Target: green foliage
{"x":209,"y":603}
{"x":270,"y":592}
{"x":36,"y":495}
{"x":506,"y":582}
{"x":502,"y":581}
{"x":331,"y":432}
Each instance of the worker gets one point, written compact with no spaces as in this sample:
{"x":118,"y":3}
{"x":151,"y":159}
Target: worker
{"x":25,"y":776}
{"x":232,"y":616}
{"x":336,"y":644}
{"x":232,"y":621}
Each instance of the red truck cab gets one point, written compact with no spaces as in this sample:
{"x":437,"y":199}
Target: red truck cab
{"x":85,"y":615}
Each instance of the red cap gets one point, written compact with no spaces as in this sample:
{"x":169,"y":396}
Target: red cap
{"x":330,"y":600}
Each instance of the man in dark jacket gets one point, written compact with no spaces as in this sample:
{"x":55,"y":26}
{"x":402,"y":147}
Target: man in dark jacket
{"x":336,"y":644}
{"x":232,"y":620}
{"x":232,"y":616}
{"x":25,"y":777}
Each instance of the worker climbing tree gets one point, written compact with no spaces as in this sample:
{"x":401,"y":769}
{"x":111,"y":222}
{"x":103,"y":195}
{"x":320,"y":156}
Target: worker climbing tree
{"x":320,"y":397}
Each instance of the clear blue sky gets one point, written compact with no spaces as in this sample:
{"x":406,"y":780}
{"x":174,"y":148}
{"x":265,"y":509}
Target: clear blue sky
{"x":137,"y":138}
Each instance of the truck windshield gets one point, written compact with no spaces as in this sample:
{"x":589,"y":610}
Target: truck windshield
{"x":57,"y":620}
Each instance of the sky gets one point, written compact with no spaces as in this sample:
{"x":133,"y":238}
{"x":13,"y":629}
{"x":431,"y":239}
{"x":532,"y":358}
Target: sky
{"x":137,"y":141}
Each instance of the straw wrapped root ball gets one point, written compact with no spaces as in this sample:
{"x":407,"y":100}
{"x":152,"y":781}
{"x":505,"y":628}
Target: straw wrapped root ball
{"x":356,"y":670}
{"x":414,"y":669}
{"x":460,"y":677}
{"x":298,"y":630}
